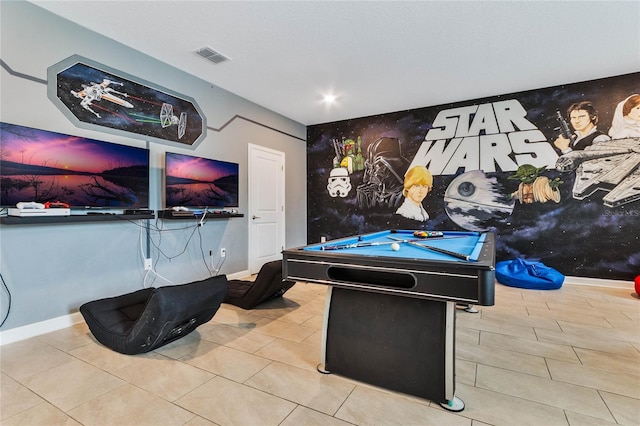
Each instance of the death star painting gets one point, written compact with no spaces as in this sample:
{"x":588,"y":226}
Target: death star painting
{"x":477,"y":202}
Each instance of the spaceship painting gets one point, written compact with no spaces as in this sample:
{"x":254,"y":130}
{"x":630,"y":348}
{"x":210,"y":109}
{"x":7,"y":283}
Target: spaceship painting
{"x":90,"y":94}
{"x":612,"y":166}
{"x":95,"y":92}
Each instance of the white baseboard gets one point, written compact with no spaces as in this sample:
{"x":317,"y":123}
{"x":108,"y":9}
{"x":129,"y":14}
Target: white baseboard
{"x":598,"y":282}
{"x":238,"y":275}
{"x":54,"y":324}
{"x":42,"y":327}
{"x":38,"y":328}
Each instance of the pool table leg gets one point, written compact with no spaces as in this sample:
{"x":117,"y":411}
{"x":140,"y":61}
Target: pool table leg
{"x":453,"y":403}
{"x":468,"y":307}
{"x":325,"y":326}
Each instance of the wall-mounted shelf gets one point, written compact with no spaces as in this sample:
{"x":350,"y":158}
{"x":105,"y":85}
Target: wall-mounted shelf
{"x":16,"y":220}
{"x":169,"y":214}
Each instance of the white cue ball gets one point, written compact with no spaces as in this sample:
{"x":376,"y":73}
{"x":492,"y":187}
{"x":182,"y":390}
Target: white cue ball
{"x":395,"y":246}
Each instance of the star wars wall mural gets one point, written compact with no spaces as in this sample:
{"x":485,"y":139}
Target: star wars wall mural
{"x":554,"y":173}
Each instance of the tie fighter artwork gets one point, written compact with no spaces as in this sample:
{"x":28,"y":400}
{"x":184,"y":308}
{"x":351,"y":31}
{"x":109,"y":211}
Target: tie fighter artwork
{"x":168,"y":119}
{"x":95,"y":92}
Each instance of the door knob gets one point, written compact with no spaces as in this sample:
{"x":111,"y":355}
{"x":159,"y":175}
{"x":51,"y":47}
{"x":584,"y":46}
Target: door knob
{"x":254,"y":217}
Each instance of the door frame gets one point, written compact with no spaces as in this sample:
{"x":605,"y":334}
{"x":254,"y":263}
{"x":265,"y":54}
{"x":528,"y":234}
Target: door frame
{"x":252,"y":150}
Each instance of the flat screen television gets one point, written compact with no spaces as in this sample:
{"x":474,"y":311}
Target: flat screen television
{"x":38,"y":165}
{"x":197,"y":182}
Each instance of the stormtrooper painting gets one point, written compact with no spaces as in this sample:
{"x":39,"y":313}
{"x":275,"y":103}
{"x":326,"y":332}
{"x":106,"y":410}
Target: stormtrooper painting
{"x":339,"y":183}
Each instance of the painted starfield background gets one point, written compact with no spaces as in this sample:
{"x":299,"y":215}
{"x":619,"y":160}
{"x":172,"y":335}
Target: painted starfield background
{"x":578,"y":237}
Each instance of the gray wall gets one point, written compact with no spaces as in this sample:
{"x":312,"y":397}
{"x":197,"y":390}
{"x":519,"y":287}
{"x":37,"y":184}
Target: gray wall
{"x":52,"y":269}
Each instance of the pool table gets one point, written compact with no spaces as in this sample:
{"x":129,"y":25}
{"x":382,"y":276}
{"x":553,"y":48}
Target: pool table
{"x":390,"y":310}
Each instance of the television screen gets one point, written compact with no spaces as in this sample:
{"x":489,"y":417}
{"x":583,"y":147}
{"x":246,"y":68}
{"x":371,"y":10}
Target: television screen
{"x":38,"y":165}
{"x":199,"y":182}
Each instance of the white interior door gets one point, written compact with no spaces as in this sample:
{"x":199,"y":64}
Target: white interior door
{"x":266,"y":206}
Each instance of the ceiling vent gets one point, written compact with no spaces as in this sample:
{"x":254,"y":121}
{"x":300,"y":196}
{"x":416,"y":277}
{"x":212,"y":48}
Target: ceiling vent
{"x":211,"y":55}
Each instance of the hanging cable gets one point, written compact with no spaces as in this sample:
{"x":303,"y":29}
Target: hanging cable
{"x":9,"y":301}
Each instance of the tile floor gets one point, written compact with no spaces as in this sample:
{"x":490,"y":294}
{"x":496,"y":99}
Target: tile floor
{"x":564,"y":357}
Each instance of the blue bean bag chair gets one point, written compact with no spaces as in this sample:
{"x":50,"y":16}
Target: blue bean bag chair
{"x":532,"y":275}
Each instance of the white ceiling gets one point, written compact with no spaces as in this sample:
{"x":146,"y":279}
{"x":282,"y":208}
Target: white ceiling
{"x":375,"y":56}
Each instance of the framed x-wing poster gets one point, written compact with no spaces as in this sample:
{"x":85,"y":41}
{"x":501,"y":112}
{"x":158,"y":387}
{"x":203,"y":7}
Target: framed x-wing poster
{"x":93,"y":95}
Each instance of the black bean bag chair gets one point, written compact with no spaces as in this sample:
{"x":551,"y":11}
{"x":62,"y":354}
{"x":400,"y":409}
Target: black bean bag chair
{"x":268,"y":285}
{"x":147,"y":319}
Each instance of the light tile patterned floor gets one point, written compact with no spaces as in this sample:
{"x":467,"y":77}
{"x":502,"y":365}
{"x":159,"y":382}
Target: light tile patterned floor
{"x":563,"y":357}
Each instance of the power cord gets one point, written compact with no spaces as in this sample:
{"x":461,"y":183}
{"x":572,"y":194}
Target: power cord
{"x":204,"y":214}
{"x":9,"y":301}
{"x":186,"y":246}
{"x":220,"y":265}
{"x":161,"y":253}
{"x":152,"y":269}
{"x":204,"y":260}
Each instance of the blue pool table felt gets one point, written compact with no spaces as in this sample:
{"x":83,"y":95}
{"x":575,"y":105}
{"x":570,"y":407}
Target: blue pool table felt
{"x":465,"y":243}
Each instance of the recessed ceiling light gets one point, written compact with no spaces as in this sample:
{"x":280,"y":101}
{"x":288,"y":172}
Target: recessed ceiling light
{"x":329,"y":99}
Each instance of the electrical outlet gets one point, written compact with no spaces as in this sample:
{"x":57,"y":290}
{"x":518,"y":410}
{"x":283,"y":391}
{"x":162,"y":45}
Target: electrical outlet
{"x":147,"y":264}
{"x":223,"y":252}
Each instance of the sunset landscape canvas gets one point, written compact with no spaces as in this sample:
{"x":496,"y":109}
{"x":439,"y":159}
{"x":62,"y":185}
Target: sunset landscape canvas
{"x":39,"y":165}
